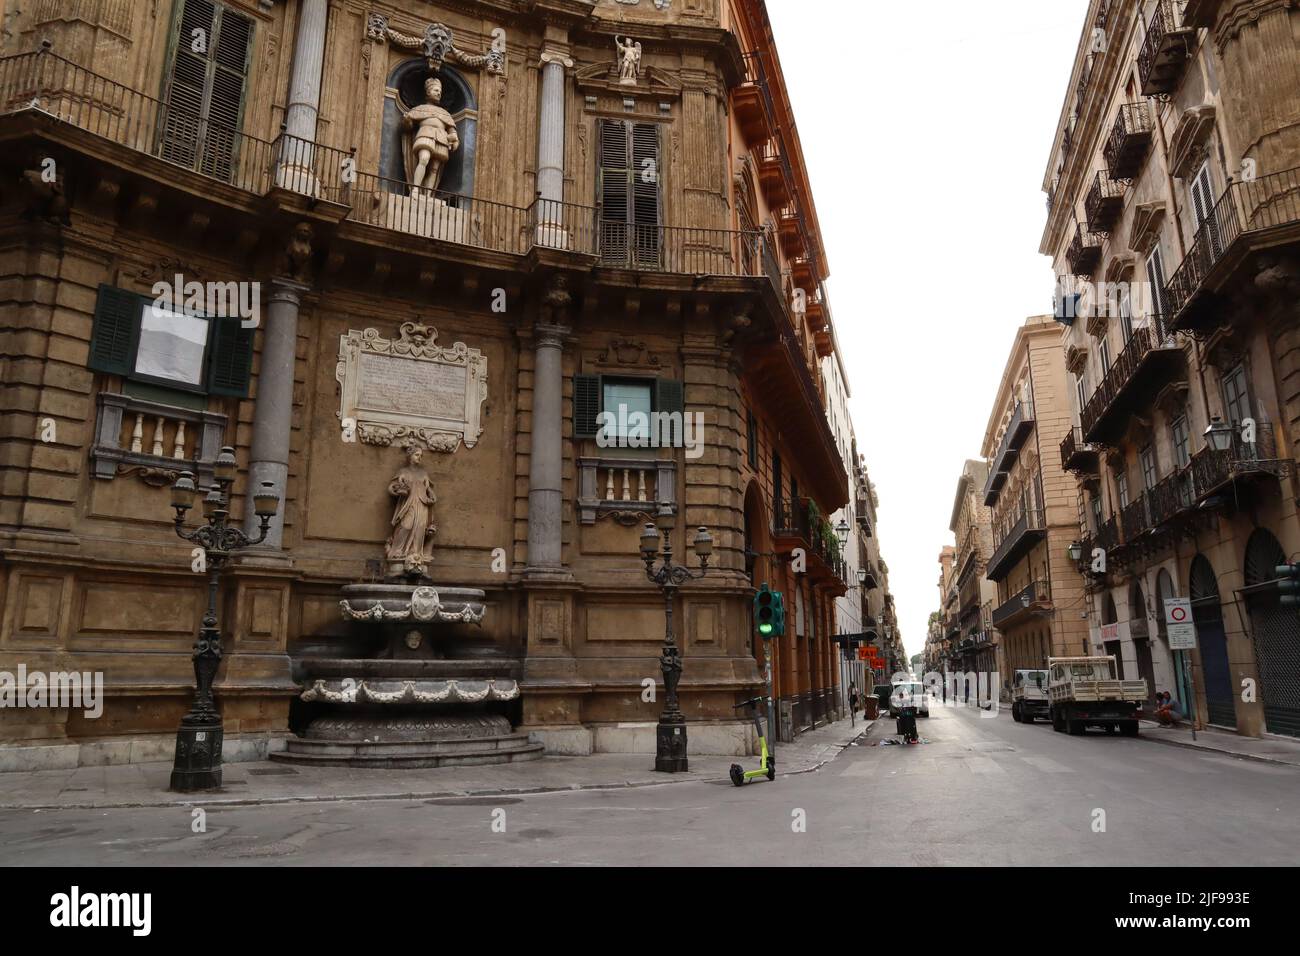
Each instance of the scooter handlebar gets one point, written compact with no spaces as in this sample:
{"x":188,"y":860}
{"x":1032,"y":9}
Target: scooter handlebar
{"x":752,"y":702}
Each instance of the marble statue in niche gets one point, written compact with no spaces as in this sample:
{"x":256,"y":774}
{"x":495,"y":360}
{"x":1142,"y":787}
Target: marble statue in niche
{"x":433,"y":138}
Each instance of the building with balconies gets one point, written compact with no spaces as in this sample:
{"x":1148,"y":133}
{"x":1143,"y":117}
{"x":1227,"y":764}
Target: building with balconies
{"x":970,"y":523}
{"x":1180,"y":146}
{"x":1038,"y":591}
{"x":598,"y":222}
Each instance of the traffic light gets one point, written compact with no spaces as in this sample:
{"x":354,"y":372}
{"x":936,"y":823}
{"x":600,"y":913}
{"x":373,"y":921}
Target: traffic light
{"x":769,"y":613}
{"x":1288,"y":583}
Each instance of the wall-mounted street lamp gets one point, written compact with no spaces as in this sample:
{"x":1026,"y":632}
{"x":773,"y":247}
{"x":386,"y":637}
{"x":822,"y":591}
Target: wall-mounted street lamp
{"x":862,"y":576}
{"x":1219,"y":434}
{"x":842,"y":531}
{"x":1075,"y":551}
{"x":670,"y":735}
{"x":197,"y":763}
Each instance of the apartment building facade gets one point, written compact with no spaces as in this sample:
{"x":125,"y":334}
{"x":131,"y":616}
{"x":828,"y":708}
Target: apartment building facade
{"x":977,"y":647}
{"x":569,"y":199}
{"x":1039,"y":599}
{"x":1175,"y":181}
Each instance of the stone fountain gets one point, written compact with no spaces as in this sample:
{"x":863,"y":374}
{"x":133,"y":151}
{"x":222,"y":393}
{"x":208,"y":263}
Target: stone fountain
{"x":419,"y":693}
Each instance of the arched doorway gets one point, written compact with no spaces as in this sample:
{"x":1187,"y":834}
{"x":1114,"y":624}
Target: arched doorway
{"x":1183,"y":686}
{"x":1110,"y":616}
{"x":1207,"y":613}
{"x":1276,"y":632}
{"x":1139,"y":632}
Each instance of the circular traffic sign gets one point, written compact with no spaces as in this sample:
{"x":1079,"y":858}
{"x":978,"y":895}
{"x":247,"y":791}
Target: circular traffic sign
{"x":1179,"y":614}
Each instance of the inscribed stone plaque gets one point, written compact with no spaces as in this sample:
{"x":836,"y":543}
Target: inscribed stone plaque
{"x":410,"y":389}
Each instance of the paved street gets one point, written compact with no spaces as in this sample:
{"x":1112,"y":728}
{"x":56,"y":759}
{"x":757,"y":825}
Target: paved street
{"x":980,"y":792}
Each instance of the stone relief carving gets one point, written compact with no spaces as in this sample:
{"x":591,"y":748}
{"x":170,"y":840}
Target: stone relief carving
{"x":411,"y":390}
{"x":628,"y":352}
{"x":438,"y":45}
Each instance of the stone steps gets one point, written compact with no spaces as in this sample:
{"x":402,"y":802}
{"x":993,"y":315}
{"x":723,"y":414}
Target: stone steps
{"x":510,"y":748}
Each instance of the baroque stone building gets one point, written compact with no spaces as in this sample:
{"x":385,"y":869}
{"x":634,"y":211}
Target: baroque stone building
{"x":598,"y":205}
{"x":1038,"y":594}
{"x":1174,"y":179}
{"x":976,"y":648}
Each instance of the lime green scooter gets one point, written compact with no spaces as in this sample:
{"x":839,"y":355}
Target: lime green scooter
{"x":767,"y":762}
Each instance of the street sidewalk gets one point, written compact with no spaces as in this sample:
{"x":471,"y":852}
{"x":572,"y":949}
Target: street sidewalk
{"x":265,"y":782}
{"x":1270,"y":749}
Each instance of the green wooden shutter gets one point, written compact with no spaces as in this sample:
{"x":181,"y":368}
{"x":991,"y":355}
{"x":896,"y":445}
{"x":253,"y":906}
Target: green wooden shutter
{"x":230,"y":360}
{"x":586,"y":405}
{"x":205,"y":91}
{"x":116,"y":329}
{"x":646,"y":173}
{"x":615,"y":191}
{"x":669,"y":396}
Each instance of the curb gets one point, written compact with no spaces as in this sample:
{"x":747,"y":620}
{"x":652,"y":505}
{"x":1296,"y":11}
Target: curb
{"x":1259,"y":758}
{"x":236,"y":801}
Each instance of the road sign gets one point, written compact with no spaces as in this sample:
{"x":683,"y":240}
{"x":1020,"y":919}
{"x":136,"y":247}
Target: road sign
{"x":1179,"y":626}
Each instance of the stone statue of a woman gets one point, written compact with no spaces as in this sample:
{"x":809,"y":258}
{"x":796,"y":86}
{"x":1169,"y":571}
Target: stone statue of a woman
{"x":410,"y":547}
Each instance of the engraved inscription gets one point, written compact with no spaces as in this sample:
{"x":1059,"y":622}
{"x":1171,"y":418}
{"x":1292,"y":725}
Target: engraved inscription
{"x":411,"y":390}
{"x":401,"y":386}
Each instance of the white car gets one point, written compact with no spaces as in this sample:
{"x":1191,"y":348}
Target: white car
{"x":913,"y":691}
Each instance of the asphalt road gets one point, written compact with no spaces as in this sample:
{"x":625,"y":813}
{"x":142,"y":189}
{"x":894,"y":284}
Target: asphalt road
{"x":979,"y":791}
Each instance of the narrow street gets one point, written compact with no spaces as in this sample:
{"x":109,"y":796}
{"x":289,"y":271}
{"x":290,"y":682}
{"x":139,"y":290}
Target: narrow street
{"x":980,"y":792}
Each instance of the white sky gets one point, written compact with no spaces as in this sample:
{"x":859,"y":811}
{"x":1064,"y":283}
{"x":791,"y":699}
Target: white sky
{"x":926,"y":128}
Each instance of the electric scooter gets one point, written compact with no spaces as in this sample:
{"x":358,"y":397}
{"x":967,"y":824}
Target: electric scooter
{"x":767,"y":762}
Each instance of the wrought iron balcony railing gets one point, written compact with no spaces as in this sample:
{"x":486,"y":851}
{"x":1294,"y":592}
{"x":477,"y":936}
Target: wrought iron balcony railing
{"x":1152,"y":351}
{"x":1104,"y":203}
{"x":1165,"y":50}
{"x":1129,"y":140}
{"x":1018,"y":429}
{"x":1245,"y":211}
{"x":1084,"y":253}
{"x":55,"y":86}
{"x":1077,"y":454}
{"x":1018,"y":536}
{"x":1029,"y":599}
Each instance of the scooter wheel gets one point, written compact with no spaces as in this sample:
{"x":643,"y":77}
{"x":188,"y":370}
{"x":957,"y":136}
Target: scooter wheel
{"x":771,"y":769}
{"x":737,"y":775}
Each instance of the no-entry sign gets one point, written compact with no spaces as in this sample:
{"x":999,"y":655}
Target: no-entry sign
{"x":1179,"y":624}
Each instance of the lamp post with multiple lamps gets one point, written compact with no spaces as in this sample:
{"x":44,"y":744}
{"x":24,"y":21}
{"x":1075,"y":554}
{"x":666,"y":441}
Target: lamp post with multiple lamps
{"x":670,"y":735}
{"x":197,"y":764}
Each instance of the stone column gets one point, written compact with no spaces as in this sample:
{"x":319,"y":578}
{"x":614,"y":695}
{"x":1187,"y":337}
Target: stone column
{"x":545,"y":475}
{"x":273,"y":415}
{"x":304,"y":97}
{"x":550,"y":150}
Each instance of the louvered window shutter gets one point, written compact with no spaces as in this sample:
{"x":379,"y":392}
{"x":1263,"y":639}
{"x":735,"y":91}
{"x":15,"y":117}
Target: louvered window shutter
{"x":205,"y":94}
{"x":586,"y":405}
{"x":645,"y":193}
{"x":117,"y":323}
{"x":615,"y":192}
{"x":231,"y":359}
{"x":669,"y":396}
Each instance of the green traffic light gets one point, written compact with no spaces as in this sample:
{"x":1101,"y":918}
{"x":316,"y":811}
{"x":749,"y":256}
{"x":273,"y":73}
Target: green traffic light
{"x":765,"y":628}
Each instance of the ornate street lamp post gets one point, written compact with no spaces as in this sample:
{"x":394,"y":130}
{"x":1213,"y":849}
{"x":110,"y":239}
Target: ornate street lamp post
{"x":670,"y":736}
{"x":197,"y":765}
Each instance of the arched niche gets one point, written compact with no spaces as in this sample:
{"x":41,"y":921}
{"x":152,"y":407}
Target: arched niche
{"x":405,"y":89}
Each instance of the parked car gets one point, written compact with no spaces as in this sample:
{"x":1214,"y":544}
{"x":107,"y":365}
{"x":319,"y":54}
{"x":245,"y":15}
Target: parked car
{"x":914,"y":690}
